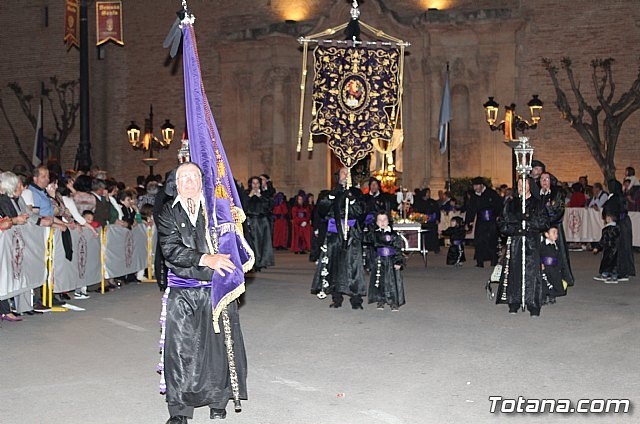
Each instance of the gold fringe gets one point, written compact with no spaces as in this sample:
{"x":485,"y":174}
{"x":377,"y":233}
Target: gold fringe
{"x":224,"y":302}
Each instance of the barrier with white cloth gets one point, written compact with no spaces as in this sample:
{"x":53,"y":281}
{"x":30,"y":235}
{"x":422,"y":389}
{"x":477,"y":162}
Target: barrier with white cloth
{"x":22,"y":259}
{"x":584,"y":225}
{"x":25,"y":251}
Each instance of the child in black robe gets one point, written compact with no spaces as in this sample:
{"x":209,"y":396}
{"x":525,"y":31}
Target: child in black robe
{"x":386,"y":284}
{"x":551,"y":267}
{"x":456,"y":233}
{"x":609,"y":247}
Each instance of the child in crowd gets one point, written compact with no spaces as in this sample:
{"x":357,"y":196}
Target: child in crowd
{"x":609,"y":247}
{"x":88,"y":216}
{"x":551,"y":266}
{"x":456,"y":233}
{"x":386,"y":285}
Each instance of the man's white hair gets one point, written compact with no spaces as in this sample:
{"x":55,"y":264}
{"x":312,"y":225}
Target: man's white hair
{"x":8,"y":183}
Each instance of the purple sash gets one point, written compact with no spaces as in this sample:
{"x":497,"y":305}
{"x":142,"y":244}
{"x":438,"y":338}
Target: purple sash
{"x":385,"y":252}
{"x":332,"y":228}
{"x":432,"y":217}
{"x":183,"y":283}
{"x":279,"y":216}
{"x":623,"y":215}
{"x":457,"y":242}
{"x":301,"y":214}
{"x":487,"y":215}
{"x":370,"y":219}
{"x":549,"y":260}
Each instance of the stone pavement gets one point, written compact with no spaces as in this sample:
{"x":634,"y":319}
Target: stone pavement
{"x":437,"y":360}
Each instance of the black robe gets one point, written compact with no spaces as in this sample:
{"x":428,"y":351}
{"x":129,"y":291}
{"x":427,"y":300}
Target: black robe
{"x":385,"y":283}
{"x":430,"y":208}
{"x":485,"y":209}
{"x":455,"y":255}
{"x":552,"y":273}
{"x":537,"y":221}
{"x":554,"y":203}
{"x":195,"y":360}
{"x":258,"y":211}
{"x":609,"y":243}
{"x":340,"y":265}
{"x":617,"y":206}
{"x":373,"y":205}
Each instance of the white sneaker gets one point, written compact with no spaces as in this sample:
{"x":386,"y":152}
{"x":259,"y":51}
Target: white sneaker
{"x":81,"y":296}
{"x":623,"y":278}
{"x":600,"y":278}
{"x":611,"y":281}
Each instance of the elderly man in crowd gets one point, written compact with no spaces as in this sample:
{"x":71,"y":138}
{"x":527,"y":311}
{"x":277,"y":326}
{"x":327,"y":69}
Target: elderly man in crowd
{"x":13,"y":208}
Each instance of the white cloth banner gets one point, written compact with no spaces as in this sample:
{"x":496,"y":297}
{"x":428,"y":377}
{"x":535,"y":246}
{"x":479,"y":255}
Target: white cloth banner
{"x":84,"y":268}
{"x":22,"y":259}
{"x":583,"y":225}
{"x":125,"y":250}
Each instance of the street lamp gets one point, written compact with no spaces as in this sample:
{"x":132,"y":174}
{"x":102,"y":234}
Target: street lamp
{"x":149,"y":141}
{"x":513,"y":123}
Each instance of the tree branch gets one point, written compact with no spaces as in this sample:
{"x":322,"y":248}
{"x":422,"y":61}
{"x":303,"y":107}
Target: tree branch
{"x":16,"y":139}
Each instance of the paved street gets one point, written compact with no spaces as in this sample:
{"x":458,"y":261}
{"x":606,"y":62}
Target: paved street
{"x":437,"y":360}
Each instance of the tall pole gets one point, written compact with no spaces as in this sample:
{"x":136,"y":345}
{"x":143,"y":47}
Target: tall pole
{"x":83,"y":157}
{"x":448,"y":138}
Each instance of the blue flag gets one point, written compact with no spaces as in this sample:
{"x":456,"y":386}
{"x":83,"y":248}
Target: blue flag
{"x":445,"y":116}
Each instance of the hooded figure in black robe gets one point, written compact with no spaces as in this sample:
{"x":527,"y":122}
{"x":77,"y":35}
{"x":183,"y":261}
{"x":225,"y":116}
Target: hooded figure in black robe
{"x":616,"y":206}
{"x":511,"y":282}
{"x":258,"y":210}
{"x":553,"y":199}
{"x":485,"y":206}
{"x":340,"y":269}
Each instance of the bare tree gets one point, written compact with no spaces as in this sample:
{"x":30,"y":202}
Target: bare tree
{"x":599,"y":133}
{"x":64,"y":110}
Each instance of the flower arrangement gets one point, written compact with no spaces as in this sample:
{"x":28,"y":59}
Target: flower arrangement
{"x":414,"y":217}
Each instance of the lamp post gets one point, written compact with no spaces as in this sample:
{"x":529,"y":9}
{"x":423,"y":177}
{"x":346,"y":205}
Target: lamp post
{"x":522,"y":155}
{"x":513,"y":123}
{"x":149,"y":141}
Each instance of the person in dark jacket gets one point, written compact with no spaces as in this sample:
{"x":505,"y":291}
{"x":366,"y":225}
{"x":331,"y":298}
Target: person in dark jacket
{"x":484,"y":206}
{"x":616,"y":206}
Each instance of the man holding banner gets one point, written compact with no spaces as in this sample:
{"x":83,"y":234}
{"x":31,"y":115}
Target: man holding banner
{"x":203,"y":360}
{"x":196,"y":367}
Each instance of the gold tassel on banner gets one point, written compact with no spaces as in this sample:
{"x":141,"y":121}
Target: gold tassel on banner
{"x":303,"y":85}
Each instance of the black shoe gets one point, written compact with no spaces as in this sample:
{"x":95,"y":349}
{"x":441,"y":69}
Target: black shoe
{"x":357,"y":306}
{"x":217,"y":414}
{"x":480,"y":264}
{"x":335,"y":305}
{"x":177,"y":419}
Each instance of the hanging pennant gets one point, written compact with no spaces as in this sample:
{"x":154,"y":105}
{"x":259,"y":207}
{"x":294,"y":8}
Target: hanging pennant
{"x":109,"y":22}
{"x":355,"y":97}
{"x":71,"y":24}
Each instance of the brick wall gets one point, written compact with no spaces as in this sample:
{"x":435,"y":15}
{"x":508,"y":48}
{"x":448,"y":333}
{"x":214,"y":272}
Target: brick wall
{"x":240,"y":77}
